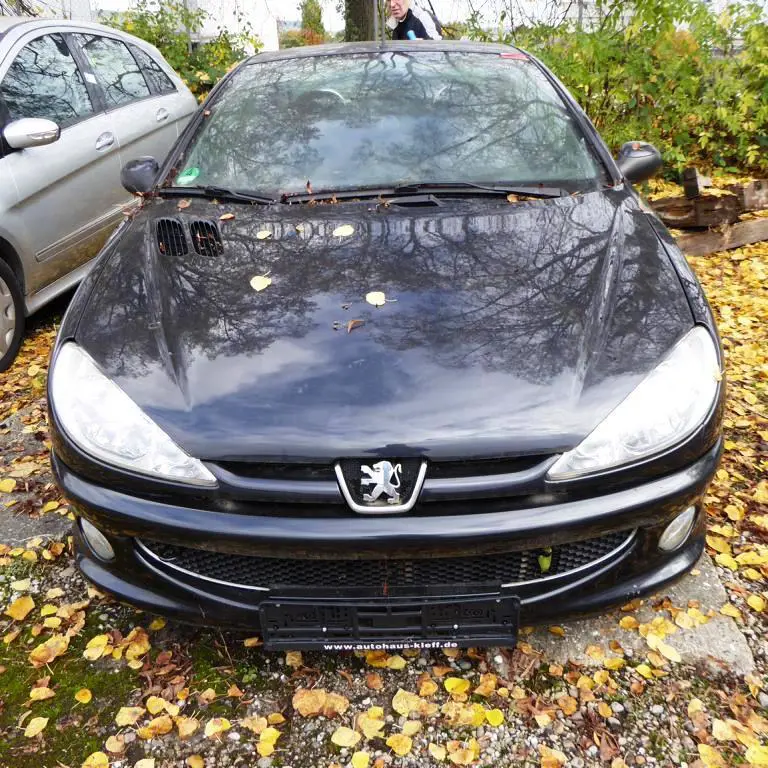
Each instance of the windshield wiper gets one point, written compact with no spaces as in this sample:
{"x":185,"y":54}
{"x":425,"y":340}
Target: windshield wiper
{"x":452,"y":187}
{"x":218,"y":193}
{"x":432,"y":187}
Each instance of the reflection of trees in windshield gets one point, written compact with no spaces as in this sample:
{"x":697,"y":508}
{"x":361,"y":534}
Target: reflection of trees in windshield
{"x":568,"y":286}
{"x":378,"y":119}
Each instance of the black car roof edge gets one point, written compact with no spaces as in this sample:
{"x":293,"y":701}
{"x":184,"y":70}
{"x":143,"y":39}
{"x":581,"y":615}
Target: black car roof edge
{"x":371,"y":46}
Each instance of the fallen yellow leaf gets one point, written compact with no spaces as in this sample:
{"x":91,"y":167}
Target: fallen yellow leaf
{"x":216,"y":726}
{"x":35,"y":726}
{"x":757,"y":755}
{"x":437,"y":751}
{"x":96,"y":760}
{"x":145,"y":762}
{"x":711,"y":757}
{"x":345,"y":737}
{"x":396,"y":662}
{"x":756,"y":603}
{"x":7,"y":485}
{"x":360,"y":760}
{"x":158,"y":726}
{"x":195,"y":761}
{"x":377,"y":298}
{"x":345,"y":230}
{"x":400,"y":744}
{"x":294,"y":659}
{"x":128,"y":715}
{"x":41,"y":693}
{"x":20,"y":607}
{"x":495,"y":717}
{"x":83,"y":696}
{"x":115,"y":744}
{"x":456,"y":685}
{"x":186,"y":726}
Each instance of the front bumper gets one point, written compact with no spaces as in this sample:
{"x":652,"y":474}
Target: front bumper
{"x":636,"y":569}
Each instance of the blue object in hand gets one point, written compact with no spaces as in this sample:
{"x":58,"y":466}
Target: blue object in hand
{"x":411,"y":35}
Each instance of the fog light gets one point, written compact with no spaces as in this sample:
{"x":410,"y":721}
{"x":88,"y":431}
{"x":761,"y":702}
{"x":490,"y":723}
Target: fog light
{"x":678,"y":530}
{"x":97,"y":541}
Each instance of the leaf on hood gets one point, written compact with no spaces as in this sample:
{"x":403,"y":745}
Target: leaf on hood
{"x":260,"y":282}
{"x":263,"y":234}
{"x":377,"y":298}
{"x":345,"y":230}
{"x":184,"y":204}
{"x":226,"y":217}
{"x":351,"y":325}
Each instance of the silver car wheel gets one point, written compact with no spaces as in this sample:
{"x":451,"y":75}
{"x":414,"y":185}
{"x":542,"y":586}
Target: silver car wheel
{"x":7,"y":317}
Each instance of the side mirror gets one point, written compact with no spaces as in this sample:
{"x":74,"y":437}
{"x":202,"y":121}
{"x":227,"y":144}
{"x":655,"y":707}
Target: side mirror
{"x":138,"y":176}
{"x":30,"y":132}
{"x":638,"y":161}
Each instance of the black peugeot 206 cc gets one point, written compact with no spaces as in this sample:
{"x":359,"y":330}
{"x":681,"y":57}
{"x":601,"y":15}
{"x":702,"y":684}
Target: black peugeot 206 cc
{"x":392,"y":355}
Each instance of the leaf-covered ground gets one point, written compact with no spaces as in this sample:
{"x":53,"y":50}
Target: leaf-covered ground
{"x":85,"y":681}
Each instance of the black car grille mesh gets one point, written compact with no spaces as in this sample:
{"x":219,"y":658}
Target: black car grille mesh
{"x":482,"y":569}
{"x":206,"y":238}
{"x":435,"y":469}
{"x":170,"y":238}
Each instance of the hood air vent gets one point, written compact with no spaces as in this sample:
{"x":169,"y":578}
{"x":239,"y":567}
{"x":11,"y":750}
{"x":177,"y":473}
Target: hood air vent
{"x":206,"y":238}
{"x":170,"y":238}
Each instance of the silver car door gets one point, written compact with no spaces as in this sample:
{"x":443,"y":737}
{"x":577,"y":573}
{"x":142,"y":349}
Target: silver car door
{"x":178,"y":103}
{"x":141,"y":120}
{"x":68,"y":193}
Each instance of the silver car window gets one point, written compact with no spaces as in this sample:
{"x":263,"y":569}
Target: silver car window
{"x":115,"y":68}
{"x":44,"y":81}
{"x":157,"y":79}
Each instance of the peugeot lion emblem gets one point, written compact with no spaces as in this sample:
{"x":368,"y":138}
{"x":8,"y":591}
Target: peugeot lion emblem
{"x":385,"y":478}
{"x":383,"y":486}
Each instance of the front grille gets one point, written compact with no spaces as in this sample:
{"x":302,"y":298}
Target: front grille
{"x":381,"y":575}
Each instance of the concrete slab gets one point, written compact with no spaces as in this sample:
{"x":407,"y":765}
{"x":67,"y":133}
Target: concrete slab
{"x":17,"y":530}
{"x":719,"y":643}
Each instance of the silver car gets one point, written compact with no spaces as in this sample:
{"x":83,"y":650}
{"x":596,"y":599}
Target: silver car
{"x":77,"y":101}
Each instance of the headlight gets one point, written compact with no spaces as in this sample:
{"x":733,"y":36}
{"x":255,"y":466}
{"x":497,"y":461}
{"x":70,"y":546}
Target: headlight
{"x":665,"y":408}
{"x":100,"y":418}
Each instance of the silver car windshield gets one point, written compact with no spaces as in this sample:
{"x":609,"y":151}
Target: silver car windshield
{"x":385,"y":119}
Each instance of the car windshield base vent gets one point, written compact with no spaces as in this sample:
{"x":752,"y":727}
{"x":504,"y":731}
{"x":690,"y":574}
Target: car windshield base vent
{"x":170,"y":238}
{"x":206,"y":238}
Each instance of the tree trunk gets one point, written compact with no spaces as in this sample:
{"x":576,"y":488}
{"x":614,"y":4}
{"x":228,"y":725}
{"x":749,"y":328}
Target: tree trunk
{"x":359,"y":16}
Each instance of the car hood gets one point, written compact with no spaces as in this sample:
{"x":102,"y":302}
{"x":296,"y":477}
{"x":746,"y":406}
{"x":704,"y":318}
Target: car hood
{"x":507,"y":329}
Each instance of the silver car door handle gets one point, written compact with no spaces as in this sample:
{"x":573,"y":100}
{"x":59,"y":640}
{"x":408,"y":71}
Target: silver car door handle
{"x":105,"y":140}
{"x":162,"y":114}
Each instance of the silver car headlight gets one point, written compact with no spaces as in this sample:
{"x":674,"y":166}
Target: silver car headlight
{"x":668,"y":405}
{"x":104,"y":422}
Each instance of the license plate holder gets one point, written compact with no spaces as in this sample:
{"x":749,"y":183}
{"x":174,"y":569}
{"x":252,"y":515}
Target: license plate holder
{"x":405,"y":623}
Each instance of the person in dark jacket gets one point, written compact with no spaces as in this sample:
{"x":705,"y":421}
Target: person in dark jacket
{"x":410,"y":22}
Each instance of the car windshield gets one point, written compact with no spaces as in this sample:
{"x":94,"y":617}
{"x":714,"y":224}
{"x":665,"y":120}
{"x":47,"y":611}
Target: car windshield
{"x":368,"y":120}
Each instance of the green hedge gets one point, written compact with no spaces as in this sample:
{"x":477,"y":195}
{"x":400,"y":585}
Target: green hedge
{"x":667,"y":71}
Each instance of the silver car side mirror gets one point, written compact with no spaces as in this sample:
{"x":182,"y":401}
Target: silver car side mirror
{"x":31,"y":132}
